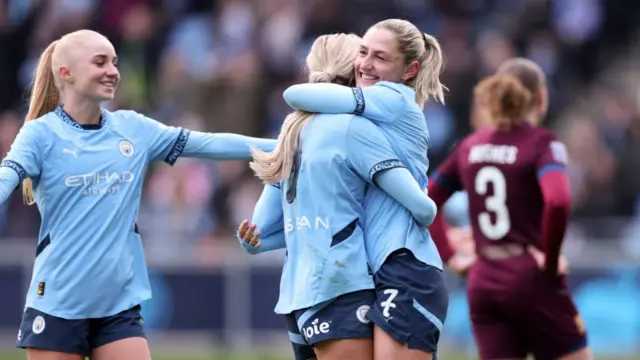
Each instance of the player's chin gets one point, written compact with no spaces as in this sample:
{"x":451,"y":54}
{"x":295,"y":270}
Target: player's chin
{"x":105,"y":95}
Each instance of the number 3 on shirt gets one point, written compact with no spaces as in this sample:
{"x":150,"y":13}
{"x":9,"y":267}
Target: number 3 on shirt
{"x":495,"y":203}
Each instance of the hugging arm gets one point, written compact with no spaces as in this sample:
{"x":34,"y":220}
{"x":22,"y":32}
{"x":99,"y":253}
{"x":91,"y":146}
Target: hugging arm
{"x":382,"y":102}
{"x":371,"y":155}
{"x":269,"y":221}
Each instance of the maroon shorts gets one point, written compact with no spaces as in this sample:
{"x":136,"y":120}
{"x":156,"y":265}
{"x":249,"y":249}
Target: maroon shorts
{"x":528,"y":313}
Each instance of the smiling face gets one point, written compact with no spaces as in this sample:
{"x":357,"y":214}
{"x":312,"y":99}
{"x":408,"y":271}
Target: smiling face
{"x":379,"y":59}
{"x":89,"y":67}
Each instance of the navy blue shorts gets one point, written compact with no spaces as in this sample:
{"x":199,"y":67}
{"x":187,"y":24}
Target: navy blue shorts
{"x":412,"y":301}
{"x":341,"y":318}
{"x":41,"y":331}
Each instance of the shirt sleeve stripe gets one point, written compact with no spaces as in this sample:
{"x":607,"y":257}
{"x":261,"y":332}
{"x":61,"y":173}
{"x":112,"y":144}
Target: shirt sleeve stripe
{"x":359,"y":96}
{"x":445,"y":183}
{"x":178,"y":147}
{"x":550,"y":167}
{"x":22,"y":173}
{"x":385,"y":165}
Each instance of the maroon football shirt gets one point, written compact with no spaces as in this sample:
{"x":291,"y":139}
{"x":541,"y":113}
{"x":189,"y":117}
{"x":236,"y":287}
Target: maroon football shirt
{"x":500,"y":171}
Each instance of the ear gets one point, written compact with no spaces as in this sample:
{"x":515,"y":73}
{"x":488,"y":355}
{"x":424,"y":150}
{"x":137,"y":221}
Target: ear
{"x":411,"y":70}
{"x":543,"y":99}
{"x":65,"y":74}
{"x":542,"y":106}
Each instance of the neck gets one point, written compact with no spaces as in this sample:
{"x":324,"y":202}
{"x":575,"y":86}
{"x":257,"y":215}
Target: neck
{"x":84,"y":112}
{"x":532,"y":117}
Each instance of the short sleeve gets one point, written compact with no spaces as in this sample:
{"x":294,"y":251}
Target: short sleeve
{"x":165,"y":142}
{"x":369,"y":150}
{"x":447,"y":175}
{"x":552,"y":155}
{"x":25,"y":155}
{"x":382,"y":102}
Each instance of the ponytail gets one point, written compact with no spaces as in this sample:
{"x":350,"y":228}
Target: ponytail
{"x":272,"y":167}
{"x":505,"y":98}
{"x":44,"y":99}
{"x":415,"y":45}
{"x":329,"y":61}
{"x":427,"y":83}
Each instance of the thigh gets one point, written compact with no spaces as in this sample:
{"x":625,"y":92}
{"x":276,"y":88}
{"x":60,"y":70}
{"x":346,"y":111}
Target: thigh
{"x":412,"y":302}
{"x":340,"y":349}
{"x":385,"y":347}
{"x":556,"y":328}
{"x":495,"y":327}
{"x":301,"y":350}
{"x":129,"y":348}
{"x":44,"y":334}
{"x":124,"y":325}
{"x":341,"y":318}
{"x":37,"y":354}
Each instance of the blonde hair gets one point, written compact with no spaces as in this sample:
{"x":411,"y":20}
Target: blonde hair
{"x":424,"y":48}
{"x":46,"y":90}
{"x":330,"y":59}
{"x":505,"y":98}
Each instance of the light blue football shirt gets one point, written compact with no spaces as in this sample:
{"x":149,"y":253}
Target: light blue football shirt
{"x":389,"y":225}
{"x":456,"y":209}
{"x":320,"y":210}
{"x":87,"y":184}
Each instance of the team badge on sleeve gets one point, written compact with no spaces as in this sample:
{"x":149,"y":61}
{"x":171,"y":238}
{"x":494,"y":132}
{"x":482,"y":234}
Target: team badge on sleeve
{"x":126,"y":147}
{"x":559,"y":152}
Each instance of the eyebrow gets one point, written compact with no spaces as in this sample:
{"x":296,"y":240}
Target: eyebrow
{"x":379,"y":52}
{"x":105,"y":57}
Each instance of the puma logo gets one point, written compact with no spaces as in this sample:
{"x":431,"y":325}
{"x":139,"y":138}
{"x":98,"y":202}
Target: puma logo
{"x":70,"y":152}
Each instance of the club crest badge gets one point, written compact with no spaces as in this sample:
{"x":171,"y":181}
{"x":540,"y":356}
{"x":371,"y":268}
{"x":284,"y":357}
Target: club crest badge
{"x":126,"y":148}
{"x":38,"y":325}
{"x":361,"y":314}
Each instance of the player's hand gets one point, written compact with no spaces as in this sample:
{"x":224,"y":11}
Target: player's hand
{"x":541,"y":259}
{"x":249,"y":234}
{"x":461,"y":263}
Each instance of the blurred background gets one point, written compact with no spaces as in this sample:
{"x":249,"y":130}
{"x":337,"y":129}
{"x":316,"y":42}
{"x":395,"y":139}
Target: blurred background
{"x":221,"y":66}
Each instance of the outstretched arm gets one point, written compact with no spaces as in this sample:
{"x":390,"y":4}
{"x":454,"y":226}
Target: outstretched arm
{"x":268,"y":219}
{"x":224,"y":146}
{"x":169,"y":143}
{"x":380,"y":103}
{"x":24,"y":160}
{"x":9,"y":181}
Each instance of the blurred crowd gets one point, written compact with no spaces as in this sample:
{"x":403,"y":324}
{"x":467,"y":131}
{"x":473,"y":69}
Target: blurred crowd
{"x":221,"y":66}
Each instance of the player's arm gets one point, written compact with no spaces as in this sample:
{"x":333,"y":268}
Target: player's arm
{"x":9,"y":181}
{"x":443,"y":183}
{"x":268,"y":219}
{"x":224,"y":146}
{"x":401,"y":185}
{"x":370,"y":154}
{"x":380,"y":103}
{"x":554,"y":185}
{"x":24,"y":159}
{"x":168,"y":143}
